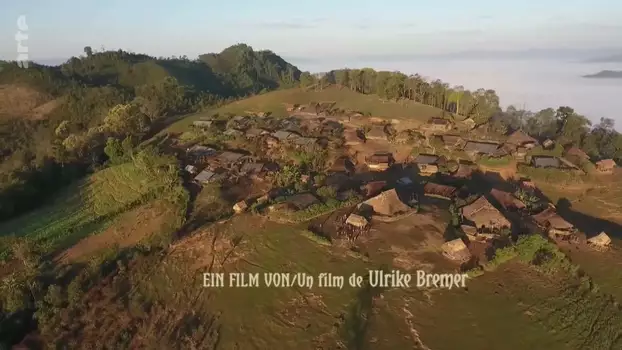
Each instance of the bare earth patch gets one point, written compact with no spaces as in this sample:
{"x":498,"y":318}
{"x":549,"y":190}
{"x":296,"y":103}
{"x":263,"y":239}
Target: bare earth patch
{"x":128,"y":230}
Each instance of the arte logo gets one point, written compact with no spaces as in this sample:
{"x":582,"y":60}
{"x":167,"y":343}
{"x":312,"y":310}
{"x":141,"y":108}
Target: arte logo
{"x":20,"y":37}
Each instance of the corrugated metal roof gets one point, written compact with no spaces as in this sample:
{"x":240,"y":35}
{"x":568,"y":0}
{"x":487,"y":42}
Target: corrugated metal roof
{"x":282,"y":134}
{"x":229,"y":157}
{"x":545,"y":162}
{"x":252,"y":167}
{"x":426,"y":159}
{"x":205,"y":176}
{"x":481,"y":147}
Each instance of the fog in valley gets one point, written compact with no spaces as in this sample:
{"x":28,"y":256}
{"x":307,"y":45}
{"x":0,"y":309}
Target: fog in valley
{"x":530,"y":83}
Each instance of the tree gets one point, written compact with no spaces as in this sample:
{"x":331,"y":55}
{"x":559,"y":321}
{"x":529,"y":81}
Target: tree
{"x":88,"y":51}
{"x":306,"y":79}
{"x":572,"y":127}
{"x":125,"y":119}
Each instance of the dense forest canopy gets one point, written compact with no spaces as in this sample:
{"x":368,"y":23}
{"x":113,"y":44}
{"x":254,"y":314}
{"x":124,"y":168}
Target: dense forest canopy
{"x":116,"y":94}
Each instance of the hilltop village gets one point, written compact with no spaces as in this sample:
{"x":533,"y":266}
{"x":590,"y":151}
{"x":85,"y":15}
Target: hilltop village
{"x":320,"y":159}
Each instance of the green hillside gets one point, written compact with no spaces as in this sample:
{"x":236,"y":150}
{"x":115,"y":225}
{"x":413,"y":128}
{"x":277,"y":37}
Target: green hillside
{"x":275,"y":103}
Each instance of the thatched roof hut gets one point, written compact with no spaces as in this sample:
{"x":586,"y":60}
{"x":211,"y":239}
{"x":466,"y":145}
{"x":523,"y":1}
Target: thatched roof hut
{"x":464,"y":171}
{"x":456,"y":250}
{"x":484,"y":215}
{"x":356,"y":220}
{"x":388,"y":203}
{"x":550,"y":219}
{"x":600,"y":240}
{"x":240,"y":206}
{"x":507,"y":200}
{"x":576,"y":152}
{"x":439,"y":191}
{"x":521,"y":139}
{"x":606,"y":165}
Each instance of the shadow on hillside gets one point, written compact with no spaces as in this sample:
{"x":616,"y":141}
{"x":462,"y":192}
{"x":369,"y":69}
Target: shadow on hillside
{"x":359,"y":316}
{"x":590,"y":225}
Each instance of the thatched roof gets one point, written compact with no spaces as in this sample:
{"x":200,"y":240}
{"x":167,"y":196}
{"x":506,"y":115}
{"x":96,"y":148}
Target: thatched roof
{"x":463,"y":171}
{"x":488,"y":148}
{"x":456,"y":250}
{"x":550,"y":218}
{"x":426,"y":159}
{"x":519,"y":138}
{"x":483,"y":214}
{"x":302,"y":200}
{"x":601,"y":240}
{"x":576,"y":152}
{"x":438,"y":190}
{"x":606,"y":164}
{"x":387,"y":203}
{"x":451,"y":140}
{"x":506,"y":199}
{"x":469,"y":230}
{"x":565,"y":163}
{"x":240,"y":206}
{"x":356,"y":220}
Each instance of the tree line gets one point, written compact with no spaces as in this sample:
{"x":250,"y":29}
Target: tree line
{"x":480,"y":104}
{"x":566,"y":126}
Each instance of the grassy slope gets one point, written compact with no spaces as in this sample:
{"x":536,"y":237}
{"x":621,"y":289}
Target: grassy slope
{"x":345,"y":98}
{"x":76,"y":212}
{"x":514,"y":307}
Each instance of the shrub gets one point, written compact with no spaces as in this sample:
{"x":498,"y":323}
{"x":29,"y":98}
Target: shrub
{"x":327,"y":192}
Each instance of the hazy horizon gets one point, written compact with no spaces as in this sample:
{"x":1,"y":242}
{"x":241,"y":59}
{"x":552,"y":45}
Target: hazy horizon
{"x":530,"y":83}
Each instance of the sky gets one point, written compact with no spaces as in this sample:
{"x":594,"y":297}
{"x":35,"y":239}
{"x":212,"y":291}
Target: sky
{"x":307,"y":29}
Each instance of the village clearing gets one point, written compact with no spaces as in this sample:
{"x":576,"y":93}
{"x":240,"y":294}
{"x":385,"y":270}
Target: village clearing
{"x":408,"y":112}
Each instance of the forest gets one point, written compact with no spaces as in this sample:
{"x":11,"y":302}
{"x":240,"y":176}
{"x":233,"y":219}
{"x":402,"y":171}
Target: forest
{"x":122,"y":95}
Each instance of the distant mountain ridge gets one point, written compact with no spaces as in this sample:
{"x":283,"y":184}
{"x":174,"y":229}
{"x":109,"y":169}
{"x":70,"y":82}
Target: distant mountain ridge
{"x":606,"y":74}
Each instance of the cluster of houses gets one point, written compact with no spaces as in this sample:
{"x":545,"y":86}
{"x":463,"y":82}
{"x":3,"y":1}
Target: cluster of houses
{"x":484,"y":219}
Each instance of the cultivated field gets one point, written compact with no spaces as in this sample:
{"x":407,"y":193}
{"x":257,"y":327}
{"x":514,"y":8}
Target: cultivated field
{"x":83,"y":209}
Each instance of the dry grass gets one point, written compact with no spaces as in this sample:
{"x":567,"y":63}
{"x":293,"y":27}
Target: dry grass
{"x":129,"y":229}
{"x":18,"y":101}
